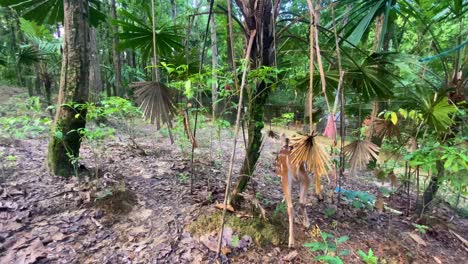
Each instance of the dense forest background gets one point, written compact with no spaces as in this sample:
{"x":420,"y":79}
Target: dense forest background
{"x":375,"y":88}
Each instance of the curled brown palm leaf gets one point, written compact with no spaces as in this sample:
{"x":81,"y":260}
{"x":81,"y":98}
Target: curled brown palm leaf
{"x":155,"y":101}
{"x":360,"y":153}
{"x":306,"y":149}
{"x":386,"y":128}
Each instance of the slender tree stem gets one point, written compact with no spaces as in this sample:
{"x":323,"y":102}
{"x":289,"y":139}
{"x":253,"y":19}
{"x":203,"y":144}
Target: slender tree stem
{"x":311,"y":64}
{"x":236,"y":133}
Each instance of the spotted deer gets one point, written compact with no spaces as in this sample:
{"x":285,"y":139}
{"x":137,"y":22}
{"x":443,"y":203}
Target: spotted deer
{"x":289,"y":174}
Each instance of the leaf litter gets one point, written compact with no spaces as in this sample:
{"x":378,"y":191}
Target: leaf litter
{"x":46,"y":219}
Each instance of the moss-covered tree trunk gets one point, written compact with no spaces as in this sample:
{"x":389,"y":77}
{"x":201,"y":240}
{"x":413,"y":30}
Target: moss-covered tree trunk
{"x":65,"y":142}
{"x":258,"y":16}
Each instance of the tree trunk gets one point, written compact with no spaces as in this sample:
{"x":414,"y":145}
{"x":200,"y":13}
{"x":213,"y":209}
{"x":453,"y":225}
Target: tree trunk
{"x":173,"y":12}
{"x":257,"y":17}
{"x":117,"y":60}
{"x":64,"y":145}
{"x":47,"y":86}
{"x":38,"y":80}
{"x":95,"y":80}
{"x":229,"y":48}
{"x":432,"y":188}
{"x":14,"y":51}
{"x":214,"y":62}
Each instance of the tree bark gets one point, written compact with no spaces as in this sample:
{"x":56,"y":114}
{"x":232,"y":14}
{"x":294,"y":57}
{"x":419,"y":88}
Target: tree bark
{"x":14,"y":51}
{"x":64,"y":145}
{"x":214,"y":74}
{"x":432,"y":188}
{"x":95,"y":80}
{"x":38,"y":80}
{"x":47,"y":78}
{"x":230,"y":59}
{"x":174,"y":12}
{"x":258,"y":16}
{"x":116,"y":58}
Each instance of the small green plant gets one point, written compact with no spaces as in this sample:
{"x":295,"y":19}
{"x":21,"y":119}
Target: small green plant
{"x":7,"y":162}
{"x":329,"y":212}
{"x":368,"y":258}
{"x":235,"y":241}
{"x":183,"y":177}
{"x":283,"y":120}
{"x":327,"y":246}
{"x":280,"y":208}
{"x":75,"y":162}
{"x":334,"y":224}
{"x":11,"y":158}
{"x":359,"y":200}
{"x":22,"y":127}
{"x":422,"y":229}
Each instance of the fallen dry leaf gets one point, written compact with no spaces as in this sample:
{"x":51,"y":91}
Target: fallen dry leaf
{"x":26,"y":253}
{"x":209,"y":242}
{"x":417,"y":239}
{"x":291,"y":256}
{"x":225,"y":250}
{"x":58,"y":236}
{"x":228,"y":207}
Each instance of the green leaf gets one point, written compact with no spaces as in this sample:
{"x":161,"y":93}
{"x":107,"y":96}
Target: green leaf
{"x":50,"y":11}
{"x":363,"y":25}
{"x":58,"y":135}
{"x":342,"y":239}
{"x":330,"y":259}
{"x":394,"y":118}
{"x":403,"y":113}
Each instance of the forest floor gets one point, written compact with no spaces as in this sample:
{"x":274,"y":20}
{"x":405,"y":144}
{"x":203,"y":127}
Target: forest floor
{"x":141,"y":209}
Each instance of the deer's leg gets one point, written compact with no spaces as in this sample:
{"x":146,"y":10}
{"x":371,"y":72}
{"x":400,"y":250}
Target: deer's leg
{"x":286,"y":183}
{"x":305,"y":182}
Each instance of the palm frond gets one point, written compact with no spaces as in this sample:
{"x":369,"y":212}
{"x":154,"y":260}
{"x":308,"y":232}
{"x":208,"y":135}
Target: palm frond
{"x":360,"y":153}
{"x":29,"y":55}
{"x":50,"y":11}
{"x":136,"y":34}
{"x":155,"y":100}
{"x":306,"y":149}
{"x":386,"y":128}
{"x":435,"y":107}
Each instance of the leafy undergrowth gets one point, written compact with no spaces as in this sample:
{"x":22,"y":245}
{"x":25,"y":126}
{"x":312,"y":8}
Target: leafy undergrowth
{"x":263,"y":232}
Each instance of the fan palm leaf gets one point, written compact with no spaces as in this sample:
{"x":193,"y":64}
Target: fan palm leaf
{"x":306,"y":149}
{"x":29,"y":55}
{"x":50,"y":11}
{"x":360,"y":153}
{"x":137,"y":34}
{"x":435,"y":107}
{"x":155,"y":100}
{"x":386,"y":128}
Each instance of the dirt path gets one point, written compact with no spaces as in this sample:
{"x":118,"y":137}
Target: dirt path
{"x":46,"y":219}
